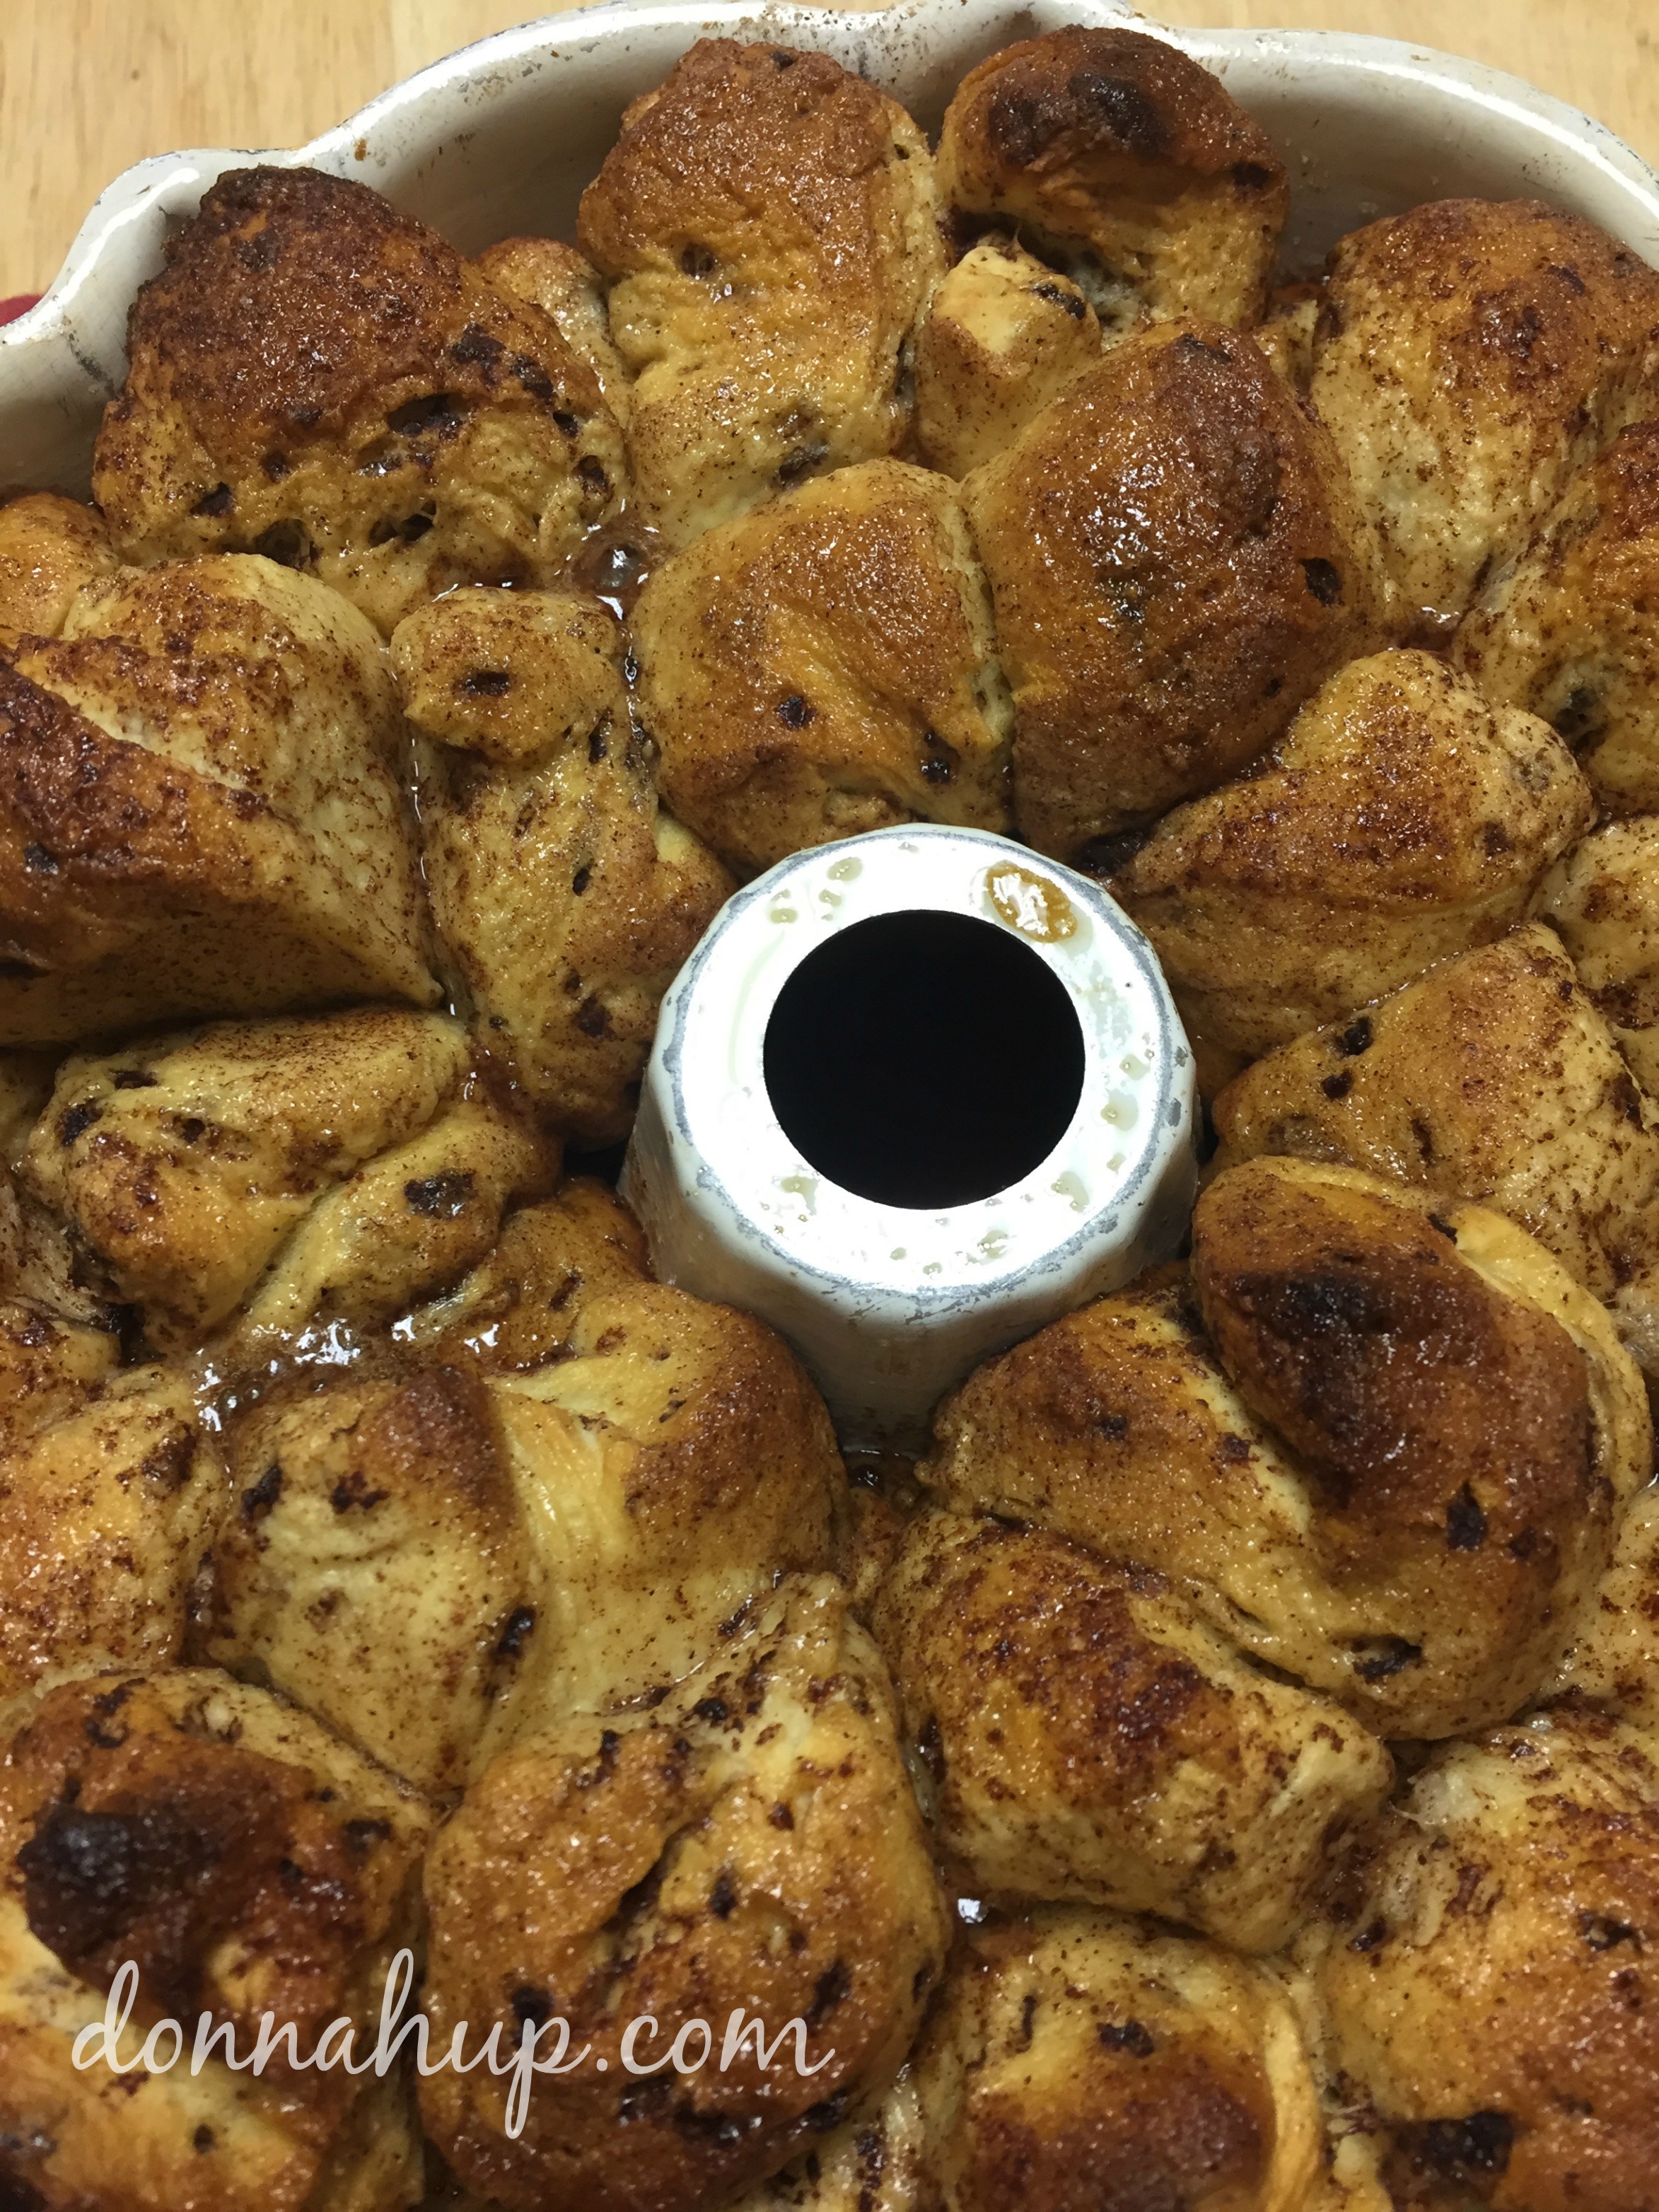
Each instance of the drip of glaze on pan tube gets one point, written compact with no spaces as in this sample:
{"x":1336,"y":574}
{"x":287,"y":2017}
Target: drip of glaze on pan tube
{"x":913,"y":1096}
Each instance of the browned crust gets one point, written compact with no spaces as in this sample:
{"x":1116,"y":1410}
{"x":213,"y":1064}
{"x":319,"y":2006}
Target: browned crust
{"x":1108,"y":98}
{"x":652,"y":1868}
{"x":1429,"y":1406}
{"x":200,"y":1842}
{"x":1173,"y":572}
{"x":105,"y":845}
{"x":1116,"y":155}
{"x":1188,"y":2129}
{"x":1490,"y":1995}
{"x":293,"y":302}
{"x":733,"y":128}
{"x":1540,"y":299}
{"x":318,"y":377}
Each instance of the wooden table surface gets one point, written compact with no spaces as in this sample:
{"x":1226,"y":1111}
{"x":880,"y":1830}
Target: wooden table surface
{"x":89,"y":86}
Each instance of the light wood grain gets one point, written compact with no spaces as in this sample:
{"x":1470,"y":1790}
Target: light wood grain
{"x":89,"y":86}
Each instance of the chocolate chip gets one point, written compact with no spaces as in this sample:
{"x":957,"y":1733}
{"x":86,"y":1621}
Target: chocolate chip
{"x":515,"y":1631}
{"x":443,"y":1196}
{"x":1465,"y":1523}
{"x":438,"y":411}
{"x":1324,"y":581}
{"x":76,"y":1120}
{"x":1059,"y":297}
{"x":258,"y":1501}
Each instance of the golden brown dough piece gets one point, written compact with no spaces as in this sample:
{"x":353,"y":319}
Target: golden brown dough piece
{"x":768,"y":226}
{"x":749,"y":1847}
{"x":1603,"y":899}
{"x":49,"y":1366}
{"x":110,"y":1500}
{"x":1286,"y":334}
{"x":257,"y":1177}
{"x":674,"y":1464}
{"x":246,"y":1863}
{"x":1486,"y":1993}
{"x":1385,"y":1459}
{"x":1078,"y":2059}
{"x":1469,"y":355}
{"x":1176,"y":564}
{"x":878,"y":2160}
{"x":532,"y":1538}
{"x":1399,"y":821}
{"x":199,"y":809}
{"x":49,"y":547}
{"x":1612,"y":1662}
{"x":567,"y":896}
{"x":566,"y":288}
{"x":1005,"y":336}
{"x":516,"y":1308}
{"x":826,"y":665}
{"x":1126,"y":165}
{"x":1571,"y":630}
{"x":317,"y":377}
{"x":379,"y":1569}
{"x":1090,"y":1740}
{"x":1493,"y":1079}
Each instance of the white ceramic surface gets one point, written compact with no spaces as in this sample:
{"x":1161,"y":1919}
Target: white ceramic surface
{"x":889,"y":1306}
{"x":503,"y":137}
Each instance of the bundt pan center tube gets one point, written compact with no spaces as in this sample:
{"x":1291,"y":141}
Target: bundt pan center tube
{"x":916,"y":1094}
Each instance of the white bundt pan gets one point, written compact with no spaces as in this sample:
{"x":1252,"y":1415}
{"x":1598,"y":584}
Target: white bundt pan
{"x":501,"y":138}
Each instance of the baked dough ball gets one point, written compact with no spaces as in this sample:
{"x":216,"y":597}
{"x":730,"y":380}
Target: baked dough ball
{"x":566,"y":896}
{"x":1385,"y":1459}
{"x":750,"y":1848}
{"x":1078,"y":2059}
{"x":878,"y":2160}
{"x":1492,"y":1078}
{"x":378,"y":1569}
{"x":768,"y":225}
{"x":1126,"y":165}
{"x":1176,"y":564}
{"x":262,"y":1177}
{"x":1469,"y":355}
{"x":110,"y":1498}
{"x":516,"y":1308}
{"x":1603,"y":899}
{"x":1612,"y":1662}
{"x":49,"y":1365}
{"x":1090,"y":1740}
{"x":673,"y":1464}
{"x":1570,"y":630}
{"x":199,"y":808}
{"x":1485,"y":1997}
{"x":1285,"y":333}
{"x":1401,"y":820}
{"x":317,"y":377}
{"x":1005,"y":336}
{"x":246,"y":1863}
{"x":568,"y":289}
{"x":824,"y":666}
{"x":49,"y":547}
{"x":533,"y":1540}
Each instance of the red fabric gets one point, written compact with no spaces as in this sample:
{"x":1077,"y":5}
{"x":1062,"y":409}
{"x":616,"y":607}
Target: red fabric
{"x":19,"y":304}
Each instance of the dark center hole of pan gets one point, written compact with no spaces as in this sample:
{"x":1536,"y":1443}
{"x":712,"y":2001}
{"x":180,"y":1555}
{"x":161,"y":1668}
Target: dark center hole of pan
{"x":924,"y":1059}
